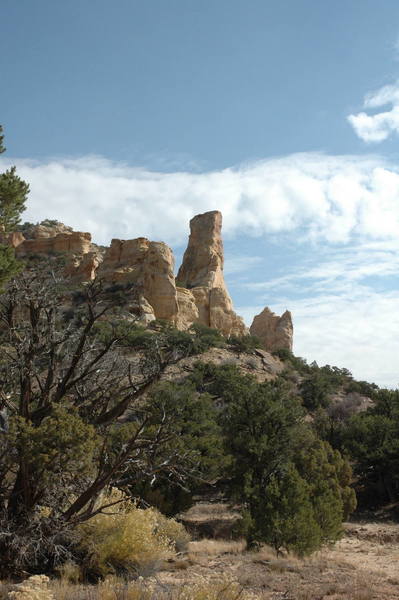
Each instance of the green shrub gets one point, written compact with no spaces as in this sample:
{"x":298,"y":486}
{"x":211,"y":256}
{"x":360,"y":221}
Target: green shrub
{"x":294,"y":487}
{"x":244,"y":343}
{"x":124,"y":538}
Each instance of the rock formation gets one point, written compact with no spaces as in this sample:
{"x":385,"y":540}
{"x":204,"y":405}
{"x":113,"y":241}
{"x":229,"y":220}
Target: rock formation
{"x":274,"y":332}
{"x":73,"y":242}
{"x":198,"y":295}
{"x":148,"y":265}
{"x":201,"y":273}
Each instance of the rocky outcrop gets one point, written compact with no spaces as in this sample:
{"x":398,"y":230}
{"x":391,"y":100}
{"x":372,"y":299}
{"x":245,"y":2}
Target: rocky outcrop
{"x":276,"y":333}
{"x":201,"y":273}
{"x":149,"y":266}
{"x":74,"y":242}
{"x":45,"y":229}
{"x":13,"y":239}
{"x":198,"y":295}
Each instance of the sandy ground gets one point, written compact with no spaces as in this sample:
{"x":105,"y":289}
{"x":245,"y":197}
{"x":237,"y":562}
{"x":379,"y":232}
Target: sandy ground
{"x":364,"y":565}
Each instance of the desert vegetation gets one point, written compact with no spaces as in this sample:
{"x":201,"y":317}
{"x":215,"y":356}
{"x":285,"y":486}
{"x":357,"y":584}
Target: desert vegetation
{"x":102,"y":450}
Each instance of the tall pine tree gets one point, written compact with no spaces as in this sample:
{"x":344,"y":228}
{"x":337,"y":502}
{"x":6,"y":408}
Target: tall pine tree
{"x":13,"y":194}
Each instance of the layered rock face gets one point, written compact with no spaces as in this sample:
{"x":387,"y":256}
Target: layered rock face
{"x":201,"y":274}
{"x":198,"y":295}
{"x":275,"y":332}
{"x":148,"y":265}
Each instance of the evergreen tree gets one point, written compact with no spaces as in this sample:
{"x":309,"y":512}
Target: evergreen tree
{"x":2,"y":149}
{"x":13,"y":194}
{"x":372,"y":440}
{"x":294,"y":486}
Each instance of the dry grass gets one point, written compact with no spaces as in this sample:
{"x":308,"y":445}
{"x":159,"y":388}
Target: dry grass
{"x":116,"y":589}
{"x":216,"y":547}
{"x":359,"y":567}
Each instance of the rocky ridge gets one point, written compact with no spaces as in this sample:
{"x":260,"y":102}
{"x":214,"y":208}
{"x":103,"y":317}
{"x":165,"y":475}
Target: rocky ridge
{"x":198,"y":294}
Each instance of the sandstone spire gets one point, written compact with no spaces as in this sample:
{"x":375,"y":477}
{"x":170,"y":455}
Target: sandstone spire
{"x":203,"y":259}
{"x":202,"y":274}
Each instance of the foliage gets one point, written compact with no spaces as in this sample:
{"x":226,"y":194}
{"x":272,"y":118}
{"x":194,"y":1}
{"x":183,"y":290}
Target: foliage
{"x":74,"y":419}
{"x":196,"y":340}
{"x":320,"y":382}
{"x":244,"y":343}
{"x":13,"y":194}
{"x":294,"y":362}
{"x":362,"y":387}
{"x":9,"y":265}
{"x":295,"y":487}
{"x":197,"y":439}
{"x":2,"y":149}
{"x":372,"y":440}
{"x":124,"y":538}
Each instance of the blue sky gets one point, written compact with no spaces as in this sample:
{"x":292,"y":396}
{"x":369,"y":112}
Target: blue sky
{"x":130,"y":117}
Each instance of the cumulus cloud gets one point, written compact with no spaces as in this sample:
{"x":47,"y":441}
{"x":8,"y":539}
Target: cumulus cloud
{"x":332,"y":198}
{"x":345,"y":306}
{"x":378,"y":127}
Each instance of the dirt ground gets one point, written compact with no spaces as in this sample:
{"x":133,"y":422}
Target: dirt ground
{"x":364,"y":565}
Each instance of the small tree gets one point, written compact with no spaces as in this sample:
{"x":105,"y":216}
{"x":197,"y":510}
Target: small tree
{"x":295,"y":487}
{"x":372,"y":440}
{"x":13,"y":194}
{"x":75,"y":421}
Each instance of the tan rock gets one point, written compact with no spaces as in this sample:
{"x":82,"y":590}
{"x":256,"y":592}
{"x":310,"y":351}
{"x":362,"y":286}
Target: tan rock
{"x":47,"y":229}
{"x":33,"y":588}
{"x":149,"y":265}
{"x":202,"y":273}
{"x":203,"y":259}
{"x":83,"y":267}
{"x":14,"y":239}
{"x":74,"y":242}
{"x":187,"y":308}
{"x":276,"y":333}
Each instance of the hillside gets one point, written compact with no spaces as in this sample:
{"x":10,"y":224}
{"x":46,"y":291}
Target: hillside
{"x":130,"y":390}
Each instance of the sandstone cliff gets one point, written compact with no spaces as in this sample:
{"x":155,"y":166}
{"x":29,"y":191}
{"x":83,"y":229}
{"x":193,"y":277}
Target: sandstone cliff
{"x":198,"y":295}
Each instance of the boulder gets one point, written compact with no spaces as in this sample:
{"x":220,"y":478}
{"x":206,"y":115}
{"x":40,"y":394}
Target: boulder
{"x":276,"y":333}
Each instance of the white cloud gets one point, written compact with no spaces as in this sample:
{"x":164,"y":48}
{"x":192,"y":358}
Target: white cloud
{"x":342,"y":316}
{"x":378,"y":127}
{"x":332,"y":198}
{"x":345,"y":208}
{"x":241,"y":264}
{"x":357,"y":332}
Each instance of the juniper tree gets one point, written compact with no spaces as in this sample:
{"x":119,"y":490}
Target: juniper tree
{"x":76,"y":419}
{"x":294,"y":487}
{"x":13,"y":195}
